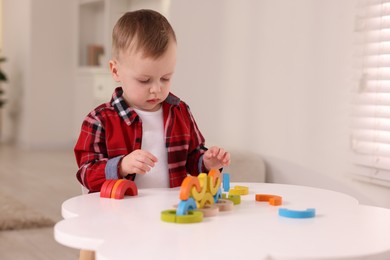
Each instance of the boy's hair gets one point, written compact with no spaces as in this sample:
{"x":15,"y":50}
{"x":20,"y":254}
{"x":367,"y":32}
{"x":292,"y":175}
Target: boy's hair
{"x":144,"y":30}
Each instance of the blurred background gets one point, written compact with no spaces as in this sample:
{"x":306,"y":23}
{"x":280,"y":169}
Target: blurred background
{"x":272,"y":77}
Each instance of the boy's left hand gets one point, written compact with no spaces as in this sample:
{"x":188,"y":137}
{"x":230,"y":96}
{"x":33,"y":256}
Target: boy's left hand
{"x":216,"y":158}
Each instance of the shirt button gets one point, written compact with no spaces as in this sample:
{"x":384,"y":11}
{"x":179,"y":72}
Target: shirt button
{"x":138,"y":140}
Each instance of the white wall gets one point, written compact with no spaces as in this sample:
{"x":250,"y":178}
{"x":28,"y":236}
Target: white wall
{"x":270,"y":76}
{"x":38,"y":40}
{"x":274,"y":77}
{"x":16,"y":41}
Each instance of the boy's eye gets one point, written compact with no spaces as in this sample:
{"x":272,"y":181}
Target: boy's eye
{"x":165,"y":79}
{"x":144,"y":81}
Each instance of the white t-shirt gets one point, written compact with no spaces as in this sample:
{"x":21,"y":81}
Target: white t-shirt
{"x":153,"y":141}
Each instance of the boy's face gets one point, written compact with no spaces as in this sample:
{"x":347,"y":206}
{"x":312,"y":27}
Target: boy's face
{"x":145,"y":81}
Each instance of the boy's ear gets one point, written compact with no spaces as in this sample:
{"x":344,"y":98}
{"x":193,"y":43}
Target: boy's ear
{"x":114,"y":70}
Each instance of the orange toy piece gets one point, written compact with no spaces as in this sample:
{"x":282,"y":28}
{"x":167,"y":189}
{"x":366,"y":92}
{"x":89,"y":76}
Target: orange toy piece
{"x":273,"y":200}
{"x":214,"y":181}
{"x":186,"y":187}
{"x":115,"y":187}
{"x":105,"y":191}
{"x":124,"y":187}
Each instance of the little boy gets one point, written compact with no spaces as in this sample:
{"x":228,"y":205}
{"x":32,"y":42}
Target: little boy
{"x":144,"y":133}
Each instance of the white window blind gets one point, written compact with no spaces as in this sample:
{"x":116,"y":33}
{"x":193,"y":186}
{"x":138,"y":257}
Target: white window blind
{"x":370,"y":131}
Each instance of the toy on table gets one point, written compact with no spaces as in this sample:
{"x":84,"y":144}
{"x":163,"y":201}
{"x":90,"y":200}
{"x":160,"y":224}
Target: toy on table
{"x":239,"y":190}
{"x":117,"y":189}
{"x":236,"y":199}
{"x":202,"y":194}
{"x":273,"y":200}
{"x":192,"y":216}
{"x":276,"y":200}
{"x":226,"y":182}
{"x":288,"y":213}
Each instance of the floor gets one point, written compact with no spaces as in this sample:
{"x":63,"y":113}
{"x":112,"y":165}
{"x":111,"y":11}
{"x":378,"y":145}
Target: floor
{"x":42,"y":180}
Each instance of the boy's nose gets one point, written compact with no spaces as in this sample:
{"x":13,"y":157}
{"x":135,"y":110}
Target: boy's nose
{"x":155,"y":88}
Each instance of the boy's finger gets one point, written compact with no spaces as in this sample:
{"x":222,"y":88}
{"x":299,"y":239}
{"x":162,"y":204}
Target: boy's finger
{"x":147,"y":156}
{"x":221,"y":154}
{"x":151,"y":157}
{"x":226,"y":157}
{"x":226,"y":162}
{"x":208,"y":154}
{"x":211,"y":150}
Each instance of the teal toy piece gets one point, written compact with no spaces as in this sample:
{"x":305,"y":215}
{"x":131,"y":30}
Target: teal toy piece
{"x":226,"y":181}
{"x":288,"y":213}
{"x":218,"y":195}
{"x":184,"y":206}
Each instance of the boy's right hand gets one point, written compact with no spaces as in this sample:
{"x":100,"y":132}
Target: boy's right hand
{"x":138,"y":161}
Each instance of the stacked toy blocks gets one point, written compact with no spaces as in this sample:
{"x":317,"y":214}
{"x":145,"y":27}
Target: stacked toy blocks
{"x":202,"y":196}
{"x":199,"y":197}
{"x":117,"y":189}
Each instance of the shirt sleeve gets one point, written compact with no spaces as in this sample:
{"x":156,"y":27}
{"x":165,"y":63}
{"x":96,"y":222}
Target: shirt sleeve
{"x":196,"y":150}
{"x":111,"y":169}
{"x":91,"y":154}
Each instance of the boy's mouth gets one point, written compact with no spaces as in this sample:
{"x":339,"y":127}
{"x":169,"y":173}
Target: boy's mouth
{"x":154,"y":100}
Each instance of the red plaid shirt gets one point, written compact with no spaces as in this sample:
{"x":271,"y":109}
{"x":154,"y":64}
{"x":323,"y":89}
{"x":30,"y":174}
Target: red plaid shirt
{"x":113,"y":130}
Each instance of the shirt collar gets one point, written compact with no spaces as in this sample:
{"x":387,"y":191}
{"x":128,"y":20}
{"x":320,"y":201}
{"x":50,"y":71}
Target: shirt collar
{"x":172,"y":100}
{"x":127,"y":113}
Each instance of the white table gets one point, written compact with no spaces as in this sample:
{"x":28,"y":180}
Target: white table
{"x":131,"y":228}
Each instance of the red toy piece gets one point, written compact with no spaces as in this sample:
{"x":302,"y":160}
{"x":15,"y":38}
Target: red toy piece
{"x":105,"y":191}
{"x":116,"y":189}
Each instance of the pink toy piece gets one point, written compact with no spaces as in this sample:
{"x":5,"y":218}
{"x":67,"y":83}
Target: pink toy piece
{"x":225,"y":205}
{"x":209,"y":210}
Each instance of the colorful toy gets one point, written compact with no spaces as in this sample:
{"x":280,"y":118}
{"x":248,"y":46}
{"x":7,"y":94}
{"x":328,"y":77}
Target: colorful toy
{"x":225,"y":205}
{"x":210,"y":210}
{"x":184,"y":206}
{"x":192,"y":216}
{"x":218,"y":195}
{"x":214,"y":180}
{"x":236,"y":199}
{"x":273,"y":200}
{"x":187,"y":186}
{"x":226,"y":181}
{"x":288,"y":213}
{"x":239,"y":190}
{"x":199,"y":194}
{"x":202,"y":188}
{"x":207,"y":199}
{"x":117,"y":189}
{"x":105,"y":191}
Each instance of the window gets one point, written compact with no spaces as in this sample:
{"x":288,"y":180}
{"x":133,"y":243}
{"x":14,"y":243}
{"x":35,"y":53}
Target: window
{"x":370,"y":131}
